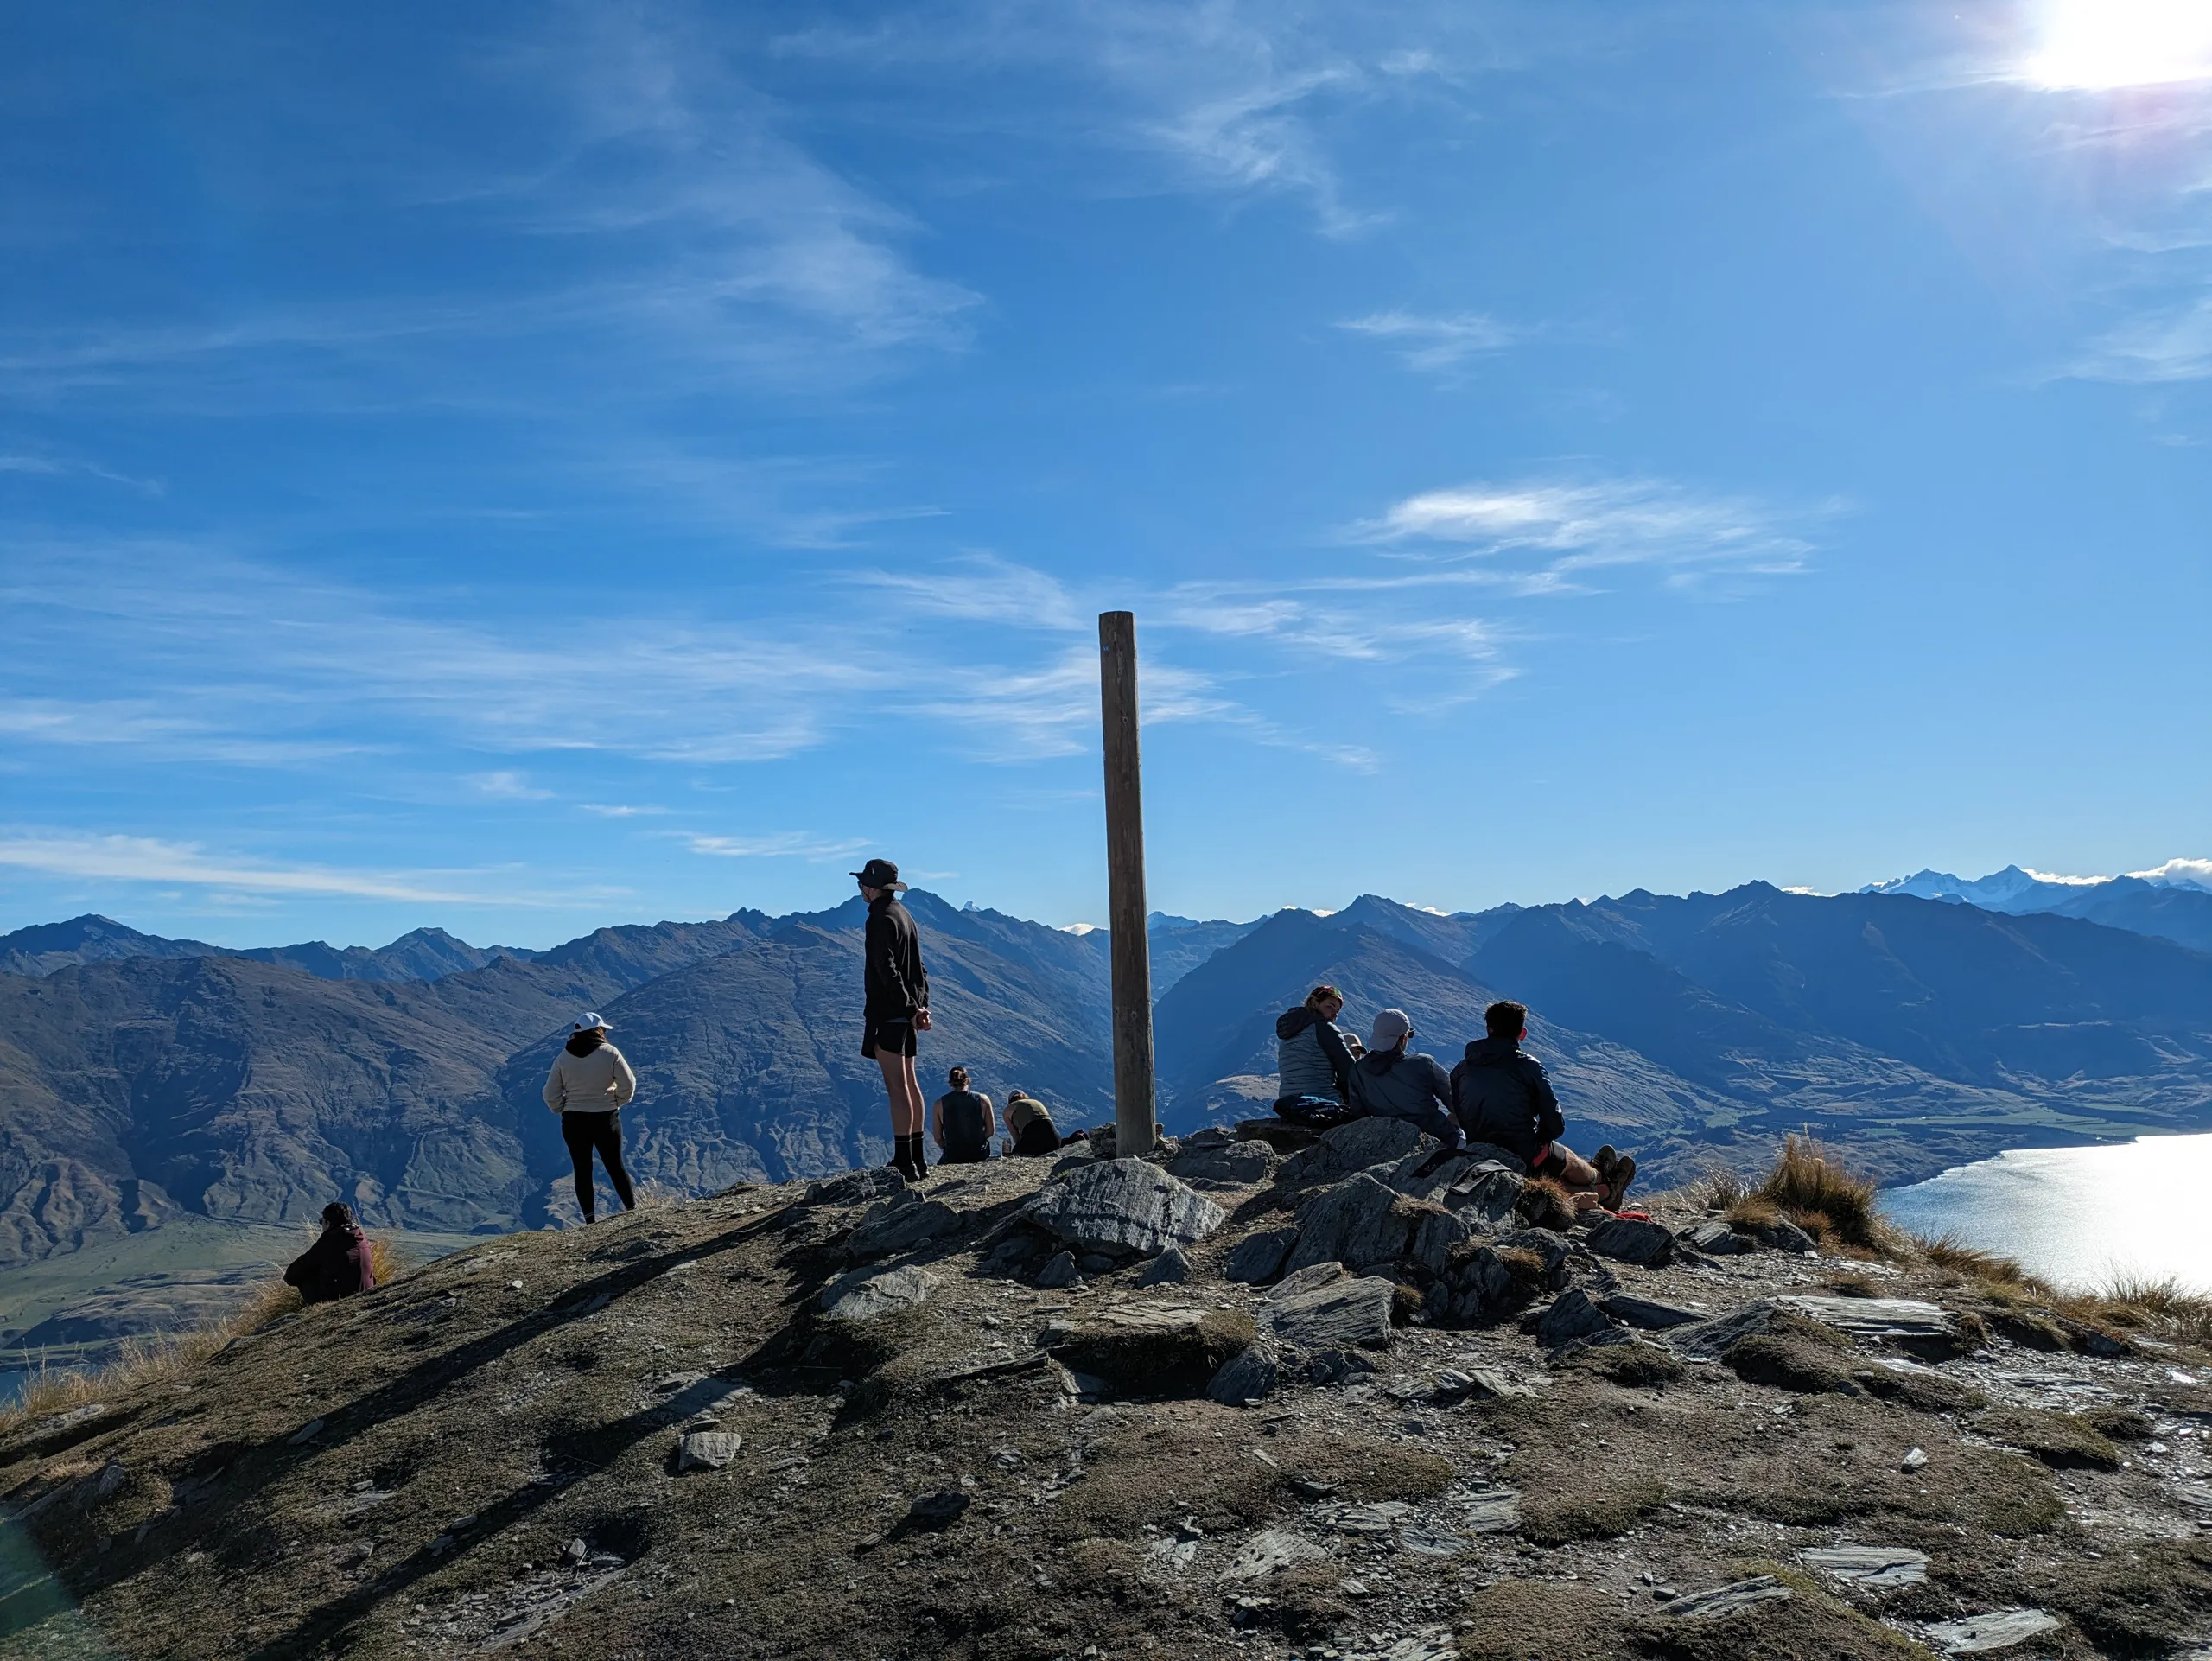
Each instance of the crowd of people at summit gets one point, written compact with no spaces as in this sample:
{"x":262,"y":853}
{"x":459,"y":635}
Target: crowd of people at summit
{"x":1497,"y":1095}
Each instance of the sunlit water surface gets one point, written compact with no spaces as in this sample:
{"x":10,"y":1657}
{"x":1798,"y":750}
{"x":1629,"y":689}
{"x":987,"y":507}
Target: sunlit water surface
{"x":2078,"y":1216}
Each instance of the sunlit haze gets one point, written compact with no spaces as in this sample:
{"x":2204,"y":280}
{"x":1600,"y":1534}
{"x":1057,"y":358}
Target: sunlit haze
{"x":2097,"y":44}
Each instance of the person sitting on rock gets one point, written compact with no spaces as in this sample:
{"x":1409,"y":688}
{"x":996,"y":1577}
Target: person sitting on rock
{"x":1500,"y":1096}
{"x":1391,"y":1082}
{"x":1313,"y":1059}
{"x":960,"y":1122}
{"x":1030,"y":1122}
{"x":338,"y":1265}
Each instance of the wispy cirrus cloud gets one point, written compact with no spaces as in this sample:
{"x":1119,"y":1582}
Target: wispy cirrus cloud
{"x":1435,"y":343}
{"x":2175,"y":346}
{"x":146,"y":859}
{"x":786,"y":844}
{"x":1576,"y":528}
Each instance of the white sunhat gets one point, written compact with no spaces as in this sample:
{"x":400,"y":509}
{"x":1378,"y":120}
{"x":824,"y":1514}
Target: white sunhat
{"x":592,"y":1018}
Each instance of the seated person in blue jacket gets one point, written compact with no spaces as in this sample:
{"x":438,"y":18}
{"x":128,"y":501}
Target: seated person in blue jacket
{"x":1392,"y":1081}
{"x":1500,"y":1095}
{"x":1313,"y":1058}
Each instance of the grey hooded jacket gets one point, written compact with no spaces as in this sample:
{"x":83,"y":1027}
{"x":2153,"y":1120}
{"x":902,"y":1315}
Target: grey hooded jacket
{"x":1311,"y":1054}
{"x":1391,"y":1085}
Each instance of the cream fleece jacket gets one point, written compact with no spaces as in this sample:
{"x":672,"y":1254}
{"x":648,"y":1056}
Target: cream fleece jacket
{"x":589,"y":1084}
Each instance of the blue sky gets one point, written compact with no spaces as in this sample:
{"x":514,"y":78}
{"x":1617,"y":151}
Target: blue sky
{"x":525,"y":467}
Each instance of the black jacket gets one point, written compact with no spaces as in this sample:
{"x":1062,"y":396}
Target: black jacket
{"x":897,"y":983}
{"x":336,"y":1266}
{"x":1500,"y":1095}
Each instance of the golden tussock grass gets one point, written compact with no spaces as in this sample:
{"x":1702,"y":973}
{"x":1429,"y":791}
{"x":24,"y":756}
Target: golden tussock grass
{"x":2157,"y":1307}
{"x":142,"y":1361}
{"x":1813,"y":1189}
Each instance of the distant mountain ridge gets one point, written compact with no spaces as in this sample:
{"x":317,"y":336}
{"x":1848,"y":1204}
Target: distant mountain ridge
{"x":2173,"y":902}
{"x":149,"y":1077}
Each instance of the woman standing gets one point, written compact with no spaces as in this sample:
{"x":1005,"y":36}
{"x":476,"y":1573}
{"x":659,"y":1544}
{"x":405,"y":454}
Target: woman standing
{"x":589,"y":1086}
{"x":897,"y":989}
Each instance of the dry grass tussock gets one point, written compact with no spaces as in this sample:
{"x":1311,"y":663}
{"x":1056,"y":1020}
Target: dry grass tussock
{"x":2158,"y":1307}
{"x":149,"y":1360}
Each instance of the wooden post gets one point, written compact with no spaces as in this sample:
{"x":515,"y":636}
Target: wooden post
{"x":1125,"y":907}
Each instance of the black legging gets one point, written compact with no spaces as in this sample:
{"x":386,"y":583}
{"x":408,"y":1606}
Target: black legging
{"x":585,"y":1131}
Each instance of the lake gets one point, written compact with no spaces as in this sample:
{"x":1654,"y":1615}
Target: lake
{"x":2078,"y":1216}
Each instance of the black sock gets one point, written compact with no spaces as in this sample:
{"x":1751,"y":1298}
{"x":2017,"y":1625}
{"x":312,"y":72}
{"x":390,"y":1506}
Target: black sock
{"x":921,"y":1160}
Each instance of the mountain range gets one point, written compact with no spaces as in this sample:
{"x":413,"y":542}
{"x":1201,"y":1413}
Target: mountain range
{"x":142,"y":1078}
{"x":2174,"y":902}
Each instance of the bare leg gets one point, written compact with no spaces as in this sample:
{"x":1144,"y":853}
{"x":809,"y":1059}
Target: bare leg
{"x":1584,"y":1187}
{"x":897,"y":1069}
{"x":916,"y":1113}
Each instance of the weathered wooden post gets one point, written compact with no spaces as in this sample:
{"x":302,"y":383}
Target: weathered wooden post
{"x":1125,"y":906}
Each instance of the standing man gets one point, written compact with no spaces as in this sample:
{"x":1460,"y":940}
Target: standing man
{"x":898,"y":1007}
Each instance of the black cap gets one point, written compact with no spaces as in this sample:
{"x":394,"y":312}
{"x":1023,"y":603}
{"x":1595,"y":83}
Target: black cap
{"x":880,"y":874}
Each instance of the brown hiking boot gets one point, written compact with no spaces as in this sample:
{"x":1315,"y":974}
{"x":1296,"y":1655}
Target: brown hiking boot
{"x":1618,"y":1172}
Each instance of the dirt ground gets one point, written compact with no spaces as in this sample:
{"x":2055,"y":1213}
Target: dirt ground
{"x":484,"y":1456}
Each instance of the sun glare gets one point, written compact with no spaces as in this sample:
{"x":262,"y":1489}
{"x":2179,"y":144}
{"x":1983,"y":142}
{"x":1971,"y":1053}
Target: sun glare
{"x":2095,"y":44}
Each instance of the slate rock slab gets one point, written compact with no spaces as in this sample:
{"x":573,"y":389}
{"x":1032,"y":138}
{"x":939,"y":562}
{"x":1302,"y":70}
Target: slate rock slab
{"x":1250,"y":1375}
{"x":1708,"y":1340}
{"x":1236,"y":1164}
{"x":1340,"y":1313}
{"x":866,"y":1297}
{"x":1259,"y":1257}
{"x":1270,"y":1551}
{"x":1719,"y":1602}
{"x":1984,"y":1634}
{"x":1631,"y":1241}
{"x":706,"y":1450}
{"x":1364,"y":1224}
{"x":1572,"y":1315}
{"x":1648,"y":1315}
{"x":1877,"y":1567}
{"x":1488,"y":1510}
{"x":876,"y":1183}
{"x":935,"y":1512}
{"x":899,"y":1223}
{"x":1715,"y":1239}
{"x":1354,"y":1146}
{"x":1059,"y":1272}
{"x":1922,"y":1326}
{"x":1127,"y":1206}
{"x":1170,"y":1267}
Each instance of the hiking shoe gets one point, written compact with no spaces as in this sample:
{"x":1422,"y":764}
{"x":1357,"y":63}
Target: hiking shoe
{"x":1618,"y":1179}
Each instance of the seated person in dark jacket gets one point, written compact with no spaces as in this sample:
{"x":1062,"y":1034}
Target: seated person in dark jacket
{"x":337,"y":1265}
{"x":1500,"y":1096}
{"x":962,"y":1122}
{"x":1392,"y":1084}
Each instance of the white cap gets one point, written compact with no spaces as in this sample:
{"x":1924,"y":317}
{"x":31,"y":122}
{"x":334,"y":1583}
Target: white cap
{"x":1390,"y":1026}
{"x":590,"y":1018}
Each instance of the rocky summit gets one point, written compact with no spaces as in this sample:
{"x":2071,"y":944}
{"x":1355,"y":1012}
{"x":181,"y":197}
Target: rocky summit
{"x":1331,"y":1402}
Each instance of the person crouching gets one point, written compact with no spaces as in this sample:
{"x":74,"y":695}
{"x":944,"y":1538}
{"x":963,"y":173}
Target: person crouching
{"x":339,"y":1265}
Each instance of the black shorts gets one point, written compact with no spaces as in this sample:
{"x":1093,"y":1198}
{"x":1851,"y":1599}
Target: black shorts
{"x":893,"y":1036}
{"x":1547,"y":1161}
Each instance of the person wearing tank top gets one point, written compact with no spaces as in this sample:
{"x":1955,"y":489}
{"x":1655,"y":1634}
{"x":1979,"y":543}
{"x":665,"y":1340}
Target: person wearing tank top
{"x":962,"y":1122}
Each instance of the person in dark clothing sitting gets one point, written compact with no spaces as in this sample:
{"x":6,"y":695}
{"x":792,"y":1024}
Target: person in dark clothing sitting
{"x":962,"y":1122}
{"x":1500,"y":1095}
{"x":338,"y":1264}
{"x":1029,"y":1122}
